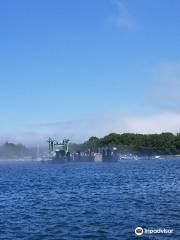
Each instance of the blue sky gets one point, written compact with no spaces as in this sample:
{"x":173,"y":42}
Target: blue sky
{"x":82,"y":68}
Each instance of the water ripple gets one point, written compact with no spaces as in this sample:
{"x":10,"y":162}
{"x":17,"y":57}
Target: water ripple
{"x":88,"y":201}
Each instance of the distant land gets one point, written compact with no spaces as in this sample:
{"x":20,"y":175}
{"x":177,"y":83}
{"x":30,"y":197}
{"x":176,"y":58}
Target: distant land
{"x":139,"y":144}
{"x":16,"y":151}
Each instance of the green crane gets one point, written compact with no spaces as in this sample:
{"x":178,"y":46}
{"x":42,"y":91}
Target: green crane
{"x":56,"y":146}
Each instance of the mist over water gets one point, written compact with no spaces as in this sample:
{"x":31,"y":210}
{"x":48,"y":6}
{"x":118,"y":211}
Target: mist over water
{"x":88,"y":200}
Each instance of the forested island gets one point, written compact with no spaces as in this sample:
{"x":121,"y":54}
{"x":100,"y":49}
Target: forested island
{"x":16,"y":151}
{"x":140,"y":144}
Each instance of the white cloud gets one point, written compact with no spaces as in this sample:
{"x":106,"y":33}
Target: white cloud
{"x":123,"y":18}
{"x":82,"y":129}
{"x":166,"y":85}
{"x":157,"y":123}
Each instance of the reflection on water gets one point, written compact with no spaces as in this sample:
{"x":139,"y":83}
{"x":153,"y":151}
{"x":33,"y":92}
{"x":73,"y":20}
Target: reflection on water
{"x":89,"y":200}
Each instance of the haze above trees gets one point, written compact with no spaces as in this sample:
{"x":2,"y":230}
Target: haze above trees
{"x":141,"y":144}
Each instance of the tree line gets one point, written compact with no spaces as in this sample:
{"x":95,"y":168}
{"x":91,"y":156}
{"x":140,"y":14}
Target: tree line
{"x":11,"y":150}
{"x":141,"y":144}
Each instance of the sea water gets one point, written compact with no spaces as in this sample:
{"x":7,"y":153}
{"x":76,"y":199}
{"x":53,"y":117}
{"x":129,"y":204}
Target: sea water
{"x":89,"y":200}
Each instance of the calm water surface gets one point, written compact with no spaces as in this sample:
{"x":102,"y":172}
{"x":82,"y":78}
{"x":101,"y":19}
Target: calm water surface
{"x":89,"y":200}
